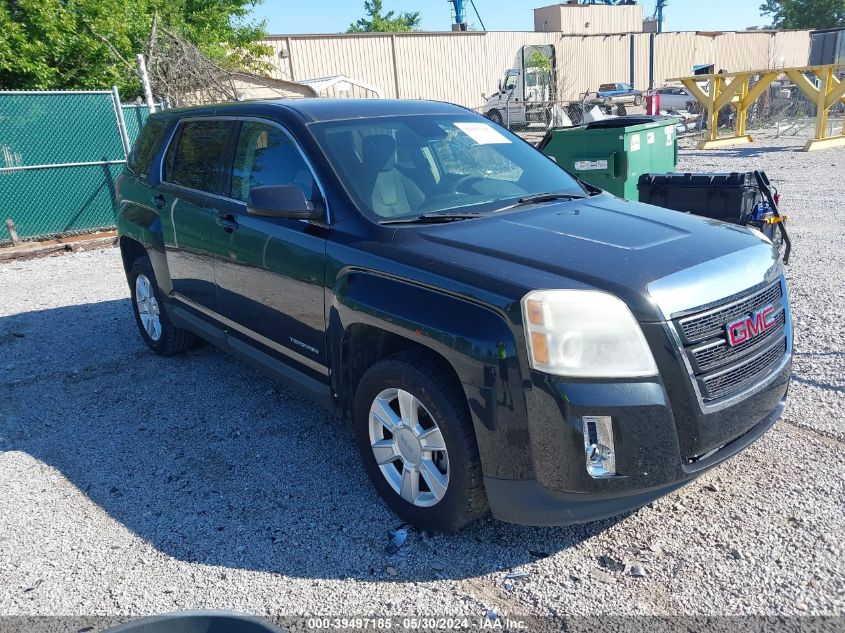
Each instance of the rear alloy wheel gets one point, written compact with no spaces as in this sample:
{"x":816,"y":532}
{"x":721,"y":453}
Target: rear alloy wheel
{"x":155,"y":326}
{"x":415,"y":435}
{"x":149,"y":311}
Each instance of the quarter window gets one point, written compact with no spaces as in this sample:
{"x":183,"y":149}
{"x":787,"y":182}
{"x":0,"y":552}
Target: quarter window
{"x":142,"y":154}
{"x":266,"y":156}
{"x":200,"y":159}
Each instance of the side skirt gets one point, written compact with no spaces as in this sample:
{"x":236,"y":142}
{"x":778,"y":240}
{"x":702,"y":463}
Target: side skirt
{"x":282,"y":373}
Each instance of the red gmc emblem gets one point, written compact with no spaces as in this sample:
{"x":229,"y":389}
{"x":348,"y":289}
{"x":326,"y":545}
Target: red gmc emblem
{"x":750,"y":326}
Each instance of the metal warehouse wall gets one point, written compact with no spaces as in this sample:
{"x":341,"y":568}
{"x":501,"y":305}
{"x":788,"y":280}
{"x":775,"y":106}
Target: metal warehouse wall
{"x":459,"y":67}
{"x":585,"y":62}
{"x":369,"y":59}
{"x":676,"y":53}
{"x":790,"y":48}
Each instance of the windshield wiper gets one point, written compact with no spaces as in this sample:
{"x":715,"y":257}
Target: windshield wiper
{"x":548,"y":197}
{"x":542,"y":197}
{"x":434,"y":218}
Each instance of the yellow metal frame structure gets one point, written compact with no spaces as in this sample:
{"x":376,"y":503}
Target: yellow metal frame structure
{"x":733,"y":89}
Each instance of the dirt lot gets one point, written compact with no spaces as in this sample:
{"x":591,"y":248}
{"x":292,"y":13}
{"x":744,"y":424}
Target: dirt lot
{"x":132,"y":484}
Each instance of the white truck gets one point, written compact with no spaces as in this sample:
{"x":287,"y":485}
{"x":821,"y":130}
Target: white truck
{"x":527,"y":95}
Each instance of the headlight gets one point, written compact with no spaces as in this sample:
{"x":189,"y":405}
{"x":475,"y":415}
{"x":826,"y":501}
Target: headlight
{"x":584,"y":334}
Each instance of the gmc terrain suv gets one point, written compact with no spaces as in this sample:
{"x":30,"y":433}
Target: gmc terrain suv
{"x":499,"y":334}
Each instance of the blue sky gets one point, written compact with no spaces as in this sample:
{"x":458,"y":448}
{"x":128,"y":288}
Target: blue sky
{"x":332,"y":16}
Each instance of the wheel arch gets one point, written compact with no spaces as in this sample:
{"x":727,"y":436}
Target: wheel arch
{"x":130,"y":250}
{"x":374,"y":316}
{"x":140,"y":230}
{"x":363,"y":345}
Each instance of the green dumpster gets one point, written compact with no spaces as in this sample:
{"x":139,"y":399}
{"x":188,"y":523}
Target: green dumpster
{"x":612,"y":153}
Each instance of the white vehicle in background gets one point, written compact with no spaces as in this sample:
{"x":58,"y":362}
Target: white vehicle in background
{"x":674,"y":97}
{"x":528,"y":94}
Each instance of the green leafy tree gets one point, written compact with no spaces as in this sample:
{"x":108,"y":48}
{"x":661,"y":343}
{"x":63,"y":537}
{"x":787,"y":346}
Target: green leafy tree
{"x":538,"y":59}
{"x":390,"y":22}
{"x":88,"y":44}
{"x":804,"y":14}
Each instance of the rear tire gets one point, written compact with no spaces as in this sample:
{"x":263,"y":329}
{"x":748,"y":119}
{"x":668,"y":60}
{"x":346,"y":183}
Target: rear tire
{"x":155,"y":326}
{"x":449,"y":488}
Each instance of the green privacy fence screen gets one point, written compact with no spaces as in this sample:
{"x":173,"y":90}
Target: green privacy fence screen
{"x":60,"y":153}
{"x":135,"y":116}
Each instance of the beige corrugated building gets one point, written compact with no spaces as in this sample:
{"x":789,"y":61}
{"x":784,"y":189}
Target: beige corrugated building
{"x":460,"y":66}
{"x":589,"y":19}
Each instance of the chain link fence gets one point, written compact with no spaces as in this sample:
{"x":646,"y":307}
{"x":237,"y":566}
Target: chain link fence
{"x":783,"y":108}
{"x":134,"y":117}
{"x":532,"y":119}
{"x":60,"y":153}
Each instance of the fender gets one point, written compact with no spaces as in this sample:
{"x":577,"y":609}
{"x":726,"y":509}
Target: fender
{"x":475,"y":340}
{"x":143,"y":224}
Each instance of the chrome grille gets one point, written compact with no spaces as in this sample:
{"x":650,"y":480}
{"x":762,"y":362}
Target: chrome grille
{"x":720,"y":370}
{"x":745,"y":374}
{"x":712,"y":355}
{"x":712,"y":323}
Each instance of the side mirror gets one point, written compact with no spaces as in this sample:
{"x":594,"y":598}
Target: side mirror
{"x":484,"y":96}
{"x":281,"y":201}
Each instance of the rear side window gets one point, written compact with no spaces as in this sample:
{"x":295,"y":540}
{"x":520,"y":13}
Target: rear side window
{"x":266,"y":156}
{"x":607,"y":87}
{"x":200,"y":157}
{"x":145,"y":148}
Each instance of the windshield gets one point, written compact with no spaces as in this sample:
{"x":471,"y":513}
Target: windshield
{"x":403,"y":167}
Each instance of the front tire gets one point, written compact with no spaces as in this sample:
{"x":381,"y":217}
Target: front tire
{"x":414,"y":432}
{"x":496,"y":117}
{"x":155,"y":326}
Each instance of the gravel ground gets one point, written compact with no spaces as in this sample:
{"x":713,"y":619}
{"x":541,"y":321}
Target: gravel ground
{"x":132,"y":484}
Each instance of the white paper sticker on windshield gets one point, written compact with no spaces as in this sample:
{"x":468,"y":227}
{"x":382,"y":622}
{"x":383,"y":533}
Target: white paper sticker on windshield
{"x":482,"y":133}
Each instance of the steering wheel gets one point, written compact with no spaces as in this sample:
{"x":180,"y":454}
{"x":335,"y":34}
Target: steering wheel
{"x":463,"y":181}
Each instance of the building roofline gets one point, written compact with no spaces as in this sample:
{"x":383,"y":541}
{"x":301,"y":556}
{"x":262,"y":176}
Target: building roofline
{"x":300,"y":36}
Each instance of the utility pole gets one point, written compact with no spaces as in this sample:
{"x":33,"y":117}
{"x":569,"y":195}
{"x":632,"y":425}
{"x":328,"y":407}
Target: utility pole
{"x":661,"y":4}
{"x":460,"y":7}
{"x":145,"y":82}
{"x":460,"y":16}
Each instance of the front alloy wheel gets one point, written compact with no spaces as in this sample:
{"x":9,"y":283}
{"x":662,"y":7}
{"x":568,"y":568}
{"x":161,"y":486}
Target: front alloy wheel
{"x":415,"y":434}
{"x":408,"y":447}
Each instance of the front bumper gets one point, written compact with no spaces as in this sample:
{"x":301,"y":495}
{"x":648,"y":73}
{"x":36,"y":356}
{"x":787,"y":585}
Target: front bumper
{"x":528,"y":502}
{"x":553,"y":486}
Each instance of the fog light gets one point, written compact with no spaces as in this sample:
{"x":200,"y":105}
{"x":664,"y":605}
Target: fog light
{"x":598,"y":445}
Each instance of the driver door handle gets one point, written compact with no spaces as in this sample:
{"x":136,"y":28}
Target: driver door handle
{"x":227,"y":221}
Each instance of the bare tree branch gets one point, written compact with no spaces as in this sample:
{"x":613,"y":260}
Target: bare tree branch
{"x":111,"y":46}
{"x":181,"y":74}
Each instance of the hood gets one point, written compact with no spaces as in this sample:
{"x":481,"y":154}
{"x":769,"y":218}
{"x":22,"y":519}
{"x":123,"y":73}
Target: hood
{"x":602,"y":242}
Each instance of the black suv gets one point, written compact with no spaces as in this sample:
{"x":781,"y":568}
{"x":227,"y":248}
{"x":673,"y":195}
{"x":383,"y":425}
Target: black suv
{"x":499,"y":334}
